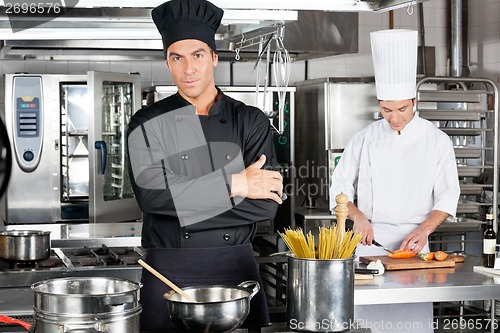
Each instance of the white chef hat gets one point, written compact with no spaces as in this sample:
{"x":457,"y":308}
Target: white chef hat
{"x":394,"y":54}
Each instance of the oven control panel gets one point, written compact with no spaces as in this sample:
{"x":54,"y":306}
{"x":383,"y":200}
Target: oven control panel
{"x":28,"y":124}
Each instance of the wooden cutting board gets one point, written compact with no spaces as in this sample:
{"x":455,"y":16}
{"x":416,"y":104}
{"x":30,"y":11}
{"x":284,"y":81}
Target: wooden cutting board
{"x":392,"y":264}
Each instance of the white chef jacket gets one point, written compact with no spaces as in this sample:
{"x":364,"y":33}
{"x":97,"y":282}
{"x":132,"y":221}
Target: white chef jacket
{"x":398,"y":178}
{"x":397,"y":181}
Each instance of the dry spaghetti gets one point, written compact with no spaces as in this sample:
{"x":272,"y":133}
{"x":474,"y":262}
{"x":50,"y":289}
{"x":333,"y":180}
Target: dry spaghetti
{"x":332,"y":243}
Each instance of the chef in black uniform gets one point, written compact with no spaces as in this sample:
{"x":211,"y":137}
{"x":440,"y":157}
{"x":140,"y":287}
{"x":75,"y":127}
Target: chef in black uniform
{"x":201,"y":166}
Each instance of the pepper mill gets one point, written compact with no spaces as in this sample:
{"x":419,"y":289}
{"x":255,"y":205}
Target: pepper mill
{"x":341,"y":211}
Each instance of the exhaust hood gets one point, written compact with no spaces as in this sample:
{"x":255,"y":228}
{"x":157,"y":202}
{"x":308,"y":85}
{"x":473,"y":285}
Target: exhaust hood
{"x":123,"y":29}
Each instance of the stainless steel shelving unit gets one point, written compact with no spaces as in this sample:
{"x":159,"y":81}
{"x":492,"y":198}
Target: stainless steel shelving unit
{"x":467,"y":110}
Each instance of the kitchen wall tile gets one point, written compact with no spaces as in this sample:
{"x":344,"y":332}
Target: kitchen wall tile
{"x":473,"y":54}
{"x":143,"y":68}
{"x":159,"y":73}
{"x":491,"y":33}
{"x":221,"y":73}
{"x":100,"y":66}
{"x":436,"y":4}
{"x":78,"y":67}
{"x":326,"y":67}
{"x":430,"y":16}
{"x":372,"y":18}
{"x":35,"y":66}
{"x":12,"y":66}
{"x":298,"y":73}
{"x":243,"y":73}
{"x":476,"y":16}
{"x":403,"y":20}
{"x":492,"y":12}
{"x":364,"y":34}
{"x":476,"y":35}
{"x":120,"y":67}
{"x":489,"y":53}
{"x":440,"y":19}
{"x":57,"y":67}
{"x":442,"y":60}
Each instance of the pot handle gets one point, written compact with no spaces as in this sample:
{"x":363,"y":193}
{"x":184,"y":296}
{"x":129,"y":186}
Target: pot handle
{"x":87,"y":328}
{"x":250,"y":284}
{"x":9,"y":320}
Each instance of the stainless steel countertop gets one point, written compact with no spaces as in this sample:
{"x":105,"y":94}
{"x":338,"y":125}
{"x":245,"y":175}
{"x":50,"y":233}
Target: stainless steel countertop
{"x":459,"y":283}
{"x":309,"y":217}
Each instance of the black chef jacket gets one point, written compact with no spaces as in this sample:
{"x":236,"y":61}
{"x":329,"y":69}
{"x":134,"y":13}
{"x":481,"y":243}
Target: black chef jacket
{"x":181,"y":166}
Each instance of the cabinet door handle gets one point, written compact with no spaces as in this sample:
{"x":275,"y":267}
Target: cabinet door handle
{"x":101,"y":145}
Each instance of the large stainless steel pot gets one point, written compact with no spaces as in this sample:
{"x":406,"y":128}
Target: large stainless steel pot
{"x":84,"y":305}
{"x":24,"y":245}
{"x":320,"y":294}
{"x":217,"y":309}
{"x":96,"y":304}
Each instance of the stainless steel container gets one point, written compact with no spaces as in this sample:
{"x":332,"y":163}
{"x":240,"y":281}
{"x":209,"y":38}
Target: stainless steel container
{"x":320,"y":294}
{"x":97,"y":305}
{"x":217,"y":309}
{"x":24,"y":245}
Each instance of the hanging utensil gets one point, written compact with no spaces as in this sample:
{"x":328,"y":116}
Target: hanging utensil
{"x":166,"y":281}
{"x":282,"y":69}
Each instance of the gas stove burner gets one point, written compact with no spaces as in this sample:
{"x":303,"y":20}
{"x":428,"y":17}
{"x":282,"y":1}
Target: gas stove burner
{"x":62,"y":258}
{"x":101,"y":256}
{"x":52,"y":261}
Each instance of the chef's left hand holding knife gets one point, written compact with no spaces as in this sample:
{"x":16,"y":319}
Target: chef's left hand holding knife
{"x":257,"y":183}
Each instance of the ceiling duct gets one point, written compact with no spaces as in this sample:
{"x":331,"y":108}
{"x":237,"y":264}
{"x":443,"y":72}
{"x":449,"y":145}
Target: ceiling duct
{"x":123,"y":29}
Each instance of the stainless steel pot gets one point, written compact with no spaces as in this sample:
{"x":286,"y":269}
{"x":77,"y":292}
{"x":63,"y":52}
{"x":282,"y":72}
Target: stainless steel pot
{"x":24,"y":245}
{"x":320,"y":294}
{"x":218,"y":308}
{"x":82,"y":304}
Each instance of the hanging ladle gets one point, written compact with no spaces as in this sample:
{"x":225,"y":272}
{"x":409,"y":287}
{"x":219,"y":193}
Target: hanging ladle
{"x":166,"y":281}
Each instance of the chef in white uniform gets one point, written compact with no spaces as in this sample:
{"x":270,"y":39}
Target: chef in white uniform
{"x":400,"y":174}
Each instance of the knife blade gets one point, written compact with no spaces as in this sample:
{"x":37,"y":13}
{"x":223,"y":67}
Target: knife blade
{"x":374,"y":242}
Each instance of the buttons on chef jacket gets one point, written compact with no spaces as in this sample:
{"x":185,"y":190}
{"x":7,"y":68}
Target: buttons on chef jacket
{"x":226,"y":237}
{"x":184,"y":157}
{"x":228,"y":157}
{"x":187,"y":235}
{"x":178,"y":119}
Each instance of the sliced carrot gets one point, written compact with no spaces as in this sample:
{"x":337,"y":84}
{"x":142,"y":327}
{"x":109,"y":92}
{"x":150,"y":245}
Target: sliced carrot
{"x":440,"y":255}
{"x":427,"y":256}
{"x":400,"y":254}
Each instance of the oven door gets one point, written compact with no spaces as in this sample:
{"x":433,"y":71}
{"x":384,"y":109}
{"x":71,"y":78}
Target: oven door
{"x":116,"y":97}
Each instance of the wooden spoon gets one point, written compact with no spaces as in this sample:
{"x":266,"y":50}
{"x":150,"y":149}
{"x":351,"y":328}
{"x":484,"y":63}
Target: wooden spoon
{"x":166,"y":281}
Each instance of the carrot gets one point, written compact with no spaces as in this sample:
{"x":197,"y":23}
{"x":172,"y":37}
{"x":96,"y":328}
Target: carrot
{"x":440,"y":255}
{"x":400,"y":254}
{"x":427,"y":256}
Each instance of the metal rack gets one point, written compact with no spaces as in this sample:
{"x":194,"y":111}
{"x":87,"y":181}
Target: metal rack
{"x":467,"y":110}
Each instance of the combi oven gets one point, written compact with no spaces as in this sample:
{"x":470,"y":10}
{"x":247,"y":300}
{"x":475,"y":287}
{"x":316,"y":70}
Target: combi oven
{"x":68,"y":135}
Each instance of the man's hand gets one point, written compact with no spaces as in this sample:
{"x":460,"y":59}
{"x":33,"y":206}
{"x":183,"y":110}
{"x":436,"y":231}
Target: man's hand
{"x":415,"y":241}
{"x":361,"y":223}
{"x":364,"y":226}
{"x":257,"y":183}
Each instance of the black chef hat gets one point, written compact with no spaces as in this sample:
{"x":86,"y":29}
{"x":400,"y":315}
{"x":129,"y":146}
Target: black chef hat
{"x":187,"y":19}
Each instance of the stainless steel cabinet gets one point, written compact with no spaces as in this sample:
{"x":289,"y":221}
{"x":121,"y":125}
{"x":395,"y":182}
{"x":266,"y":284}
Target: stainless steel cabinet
{"x":329,"y":112}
